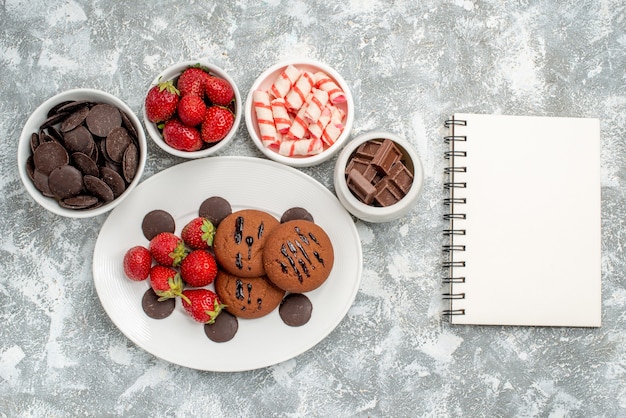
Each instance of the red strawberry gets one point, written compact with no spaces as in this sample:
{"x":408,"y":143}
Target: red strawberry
{"x":192,"y":81}
{"x":137,"y":263}
{"x":166,"y":282}
{"x":167,"y":249}
{"x":218,"y":121}
{"x":202,"y":305}
{"x":198,"y":233}
{"x":198,"y":268}
{"x":181,"y":137}
{"x":161,"y":102}
{"x":191,"y":110}
{"x":219,"y":91}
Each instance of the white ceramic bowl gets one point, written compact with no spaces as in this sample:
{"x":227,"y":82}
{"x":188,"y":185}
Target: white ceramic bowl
{"x":172,"y":73}
{"x":372,"y":213}
{"x":39,"y":116}
{"x":265,"y":81}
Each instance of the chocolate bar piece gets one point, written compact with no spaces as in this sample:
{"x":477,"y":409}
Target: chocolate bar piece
{"x":387,"y":193}
{"x":386,"y":156}
{"x":368,"y":149}
{"x":364,"y":167}
{"x":360,"y":186}
{"x":401,"y":177}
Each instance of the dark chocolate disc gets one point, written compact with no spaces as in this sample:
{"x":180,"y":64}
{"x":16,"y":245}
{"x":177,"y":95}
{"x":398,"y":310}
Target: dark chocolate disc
{"x":129,"y":162}
{"x":113,"y":165}
{"x":44,"y":137}
{"x":30,"y":167}
{"x":103,"y":118}
{"x":40,"y":180}
{"x":74,"y":119}
{"x":295,"y":310}
{"x":55,"y":134}
{"x":295,"y":214}
{"x":65,"y":181}
{"x":74,"y":105}
{"x":85,"y":164}
{"x":34,"y":141}
{"x":98,"y":188}
{"x":102,"y":150}
{"x":55,"y":109}
{"x":126,"y":123}
{"x":113,"y":179}
{"x":79,"y":202}
{"x":223,"y":329}
{"x":49,"y":156}
{"x":157,"y":221}
{"x":95,"y":152}
{"x":78,"y":139}
{"x":154,"y":308}
{"x":116,"y":143}
{"x":54,"y":119}
{"x":215,"y":209}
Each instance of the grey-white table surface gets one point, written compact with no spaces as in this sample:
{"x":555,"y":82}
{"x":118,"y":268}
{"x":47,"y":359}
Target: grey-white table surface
{"x":409,"y":65}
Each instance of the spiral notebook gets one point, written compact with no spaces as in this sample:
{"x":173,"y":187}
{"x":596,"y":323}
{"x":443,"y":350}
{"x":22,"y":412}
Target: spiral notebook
{"x":522,"y":238}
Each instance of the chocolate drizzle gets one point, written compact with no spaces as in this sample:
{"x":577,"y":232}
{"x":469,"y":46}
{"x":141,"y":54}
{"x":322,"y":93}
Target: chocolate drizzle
{"x":239,"y":290}
{"x":318,"y":257}
{"x":301,"y":235}
{"x":292,"y":263}
{"x":240,"y":294}
{"x":304,"y":253}
{"x":238,"y":261}
{"x":297,"y":256}
{"x":313,"y":238}
{"x":249,"y":241}
{"x":239,"y":230}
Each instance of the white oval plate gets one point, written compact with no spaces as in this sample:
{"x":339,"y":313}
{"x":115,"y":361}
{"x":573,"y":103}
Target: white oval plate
{"x":246,"y":183}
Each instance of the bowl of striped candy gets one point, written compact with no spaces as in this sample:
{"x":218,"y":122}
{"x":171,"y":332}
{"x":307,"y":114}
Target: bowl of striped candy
{"x":299,"y":112}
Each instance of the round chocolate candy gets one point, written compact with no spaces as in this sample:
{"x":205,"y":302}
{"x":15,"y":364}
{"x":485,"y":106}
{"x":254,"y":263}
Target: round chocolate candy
{"x":157,"y":221}
{"x":155,"y":308}
{"x":50,"y":155}
{"x":215,"y":209}
{"x":113,"y":179}
{"x":103,"y":118}
{"x":296,"y":213}
{"x":98,"y":188}
{"x":223,"y":329}
{"x":295,"y":309}
{"x":65,"y":181}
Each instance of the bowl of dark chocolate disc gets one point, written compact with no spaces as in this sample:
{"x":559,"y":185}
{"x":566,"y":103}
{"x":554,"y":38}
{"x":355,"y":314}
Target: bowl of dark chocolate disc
{"x":81,"y":152}
{"x":378,"y":176}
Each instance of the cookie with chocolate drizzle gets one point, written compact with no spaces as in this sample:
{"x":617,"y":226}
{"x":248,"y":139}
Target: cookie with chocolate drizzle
{"x":239,"y":241}
{"x":251,"y":297}
{"x":298,"y":256}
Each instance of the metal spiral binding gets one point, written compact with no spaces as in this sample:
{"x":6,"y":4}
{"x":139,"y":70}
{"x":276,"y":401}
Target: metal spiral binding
{"x":452,"y":202}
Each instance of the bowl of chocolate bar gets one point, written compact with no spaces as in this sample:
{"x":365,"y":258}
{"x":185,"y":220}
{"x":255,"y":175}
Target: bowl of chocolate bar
{"x":299,"y":112}
{"x":81,"y":152}
{"x":378,"y":176}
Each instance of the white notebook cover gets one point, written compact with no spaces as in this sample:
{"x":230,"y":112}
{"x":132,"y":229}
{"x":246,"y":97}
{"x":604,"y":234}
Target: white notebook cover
{"x":533,"y":221}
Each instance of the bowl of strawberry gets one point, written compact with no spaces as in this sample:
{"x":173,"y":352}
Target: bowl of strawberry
{"x":192,"y":109}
